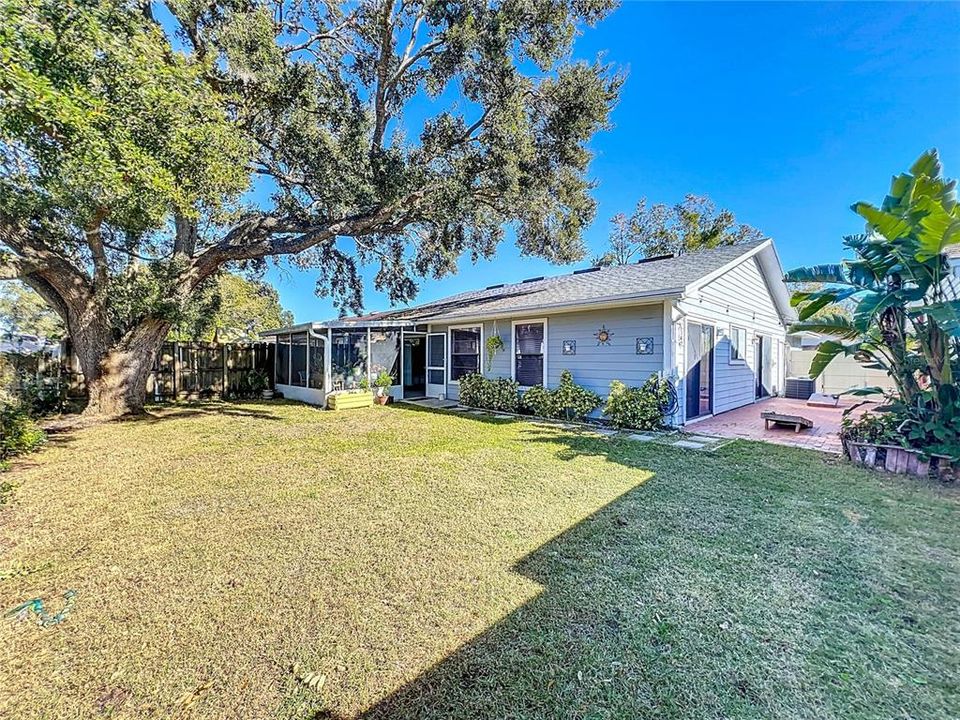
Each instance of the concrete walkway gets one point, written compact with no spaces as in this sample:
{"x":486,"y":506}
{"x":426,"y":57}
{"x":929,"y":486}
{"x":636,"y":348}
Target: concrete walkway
{"x":745,"y":422}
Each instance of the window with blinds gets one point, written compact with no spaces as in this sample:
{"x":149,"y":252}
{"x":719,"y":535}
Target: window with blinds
{"x":464,"y":352}
{"x":528,"y":353}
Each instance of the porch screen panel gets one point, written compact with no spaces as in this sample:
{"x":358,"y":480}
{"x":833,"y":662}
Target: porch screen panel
{"x":464,"y":352}
{"x":316,"y":369}
{"x":282,"y":362}
{"x":436,"y":358}
{"x":385,"y":353}
{"x":298,"y":359}
{"x":349,"y":358}
{"x":528,"y":341}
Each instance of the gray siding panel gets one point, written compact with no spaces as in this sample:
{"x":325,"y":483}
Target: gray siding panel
{"x":593,"y":366}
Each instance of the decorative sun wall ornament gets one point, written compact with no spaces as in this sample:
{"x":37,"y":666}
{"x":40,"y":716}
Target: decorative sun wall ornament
{"x":603,"y":335}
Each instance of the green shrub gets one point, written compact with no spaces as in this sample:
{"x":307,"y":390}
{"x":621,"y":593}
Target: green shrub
{"x":871,"y":428}
{"x":19,"y":434}
{"x":501,"y":394}
{"x":40,"y":397}
{"x":917,"y":427}
{"x":540,"y":401}
{"x":637,"y":407}
{"x":568,"y":400}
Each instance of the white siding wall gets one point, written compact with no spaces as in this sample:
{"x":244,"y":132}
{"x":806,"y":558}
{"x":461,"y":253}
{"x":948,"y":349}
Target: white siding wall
{"x":738,"y":298}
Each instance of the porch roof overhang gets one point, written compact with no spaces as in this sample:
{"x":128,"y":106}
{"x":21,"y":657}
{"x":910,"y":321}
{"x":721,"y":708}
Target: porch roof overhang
{"x":339,"y":325}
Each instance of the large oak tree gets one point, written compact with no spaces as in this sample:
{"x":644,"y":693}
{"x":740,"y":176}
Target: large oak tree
{"x":148,"y":146}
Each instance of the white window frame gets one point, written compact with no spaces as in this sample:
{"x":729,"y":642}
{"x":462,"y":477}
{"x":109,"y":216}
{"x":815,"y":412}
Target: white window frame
{"x":450,"y":329}
{"x":742,"y":351}
{"x":513,"y":347}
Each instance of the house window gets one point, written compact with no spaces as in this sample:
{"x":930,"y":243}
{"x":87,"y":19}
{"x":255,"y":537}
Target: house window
{"x":283,"y":360}
{"x":738,"y":344}
{"x":464,"y":352}
{"x":528,"y":353}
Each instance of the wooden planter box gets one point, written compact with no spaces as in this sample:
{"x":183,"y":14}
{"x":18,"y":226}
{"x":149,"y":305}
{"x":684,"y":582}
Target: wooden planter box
{"x":349,"y":400}
{"x":902,"y":461}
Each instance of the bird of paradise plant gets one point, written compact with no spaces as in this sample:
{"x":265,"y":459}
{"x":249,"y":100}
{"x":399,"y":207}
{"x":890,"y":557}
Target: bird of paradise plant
{"x":907,"y":306}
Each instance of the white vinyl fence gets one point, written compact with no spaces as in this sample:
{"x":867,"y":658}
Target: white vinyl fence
{"x":843,"y":373}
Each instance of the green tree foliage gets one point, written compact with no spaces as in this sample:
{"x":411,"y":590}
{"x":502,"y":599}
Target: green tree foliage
{"x":906,"y":319}
{"x":652,"y":230}
{"x":22,"y":310}
{"x":233,"y":309}
{"x":128,"y":154}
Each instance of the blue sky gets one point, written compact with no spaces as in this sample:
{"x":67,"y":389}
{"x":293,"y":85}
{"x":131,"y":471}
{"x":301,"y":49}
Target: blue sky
{"x":784,"y":113}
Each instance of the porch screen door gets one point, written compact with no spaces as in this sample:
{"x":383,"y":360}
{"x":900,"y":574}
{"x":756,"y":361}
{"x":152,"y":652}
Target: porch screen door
{"x":436,"y":364}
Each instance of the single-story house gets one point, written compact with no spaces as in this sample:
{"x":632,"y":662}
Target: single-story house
{"x":713,"y":322}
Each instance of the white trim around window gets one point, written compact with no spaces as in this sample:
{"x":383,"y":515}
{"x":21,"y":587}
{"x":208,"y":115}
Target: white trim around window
{"x":513,"y":347}
{"x":450,"y":329}
{"x":736,"y":345}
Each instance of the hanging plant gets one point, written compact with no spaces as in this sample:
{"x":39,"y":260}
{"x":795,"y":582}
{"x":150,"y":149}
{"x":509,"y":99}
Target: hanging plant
{"x":494,"y":345}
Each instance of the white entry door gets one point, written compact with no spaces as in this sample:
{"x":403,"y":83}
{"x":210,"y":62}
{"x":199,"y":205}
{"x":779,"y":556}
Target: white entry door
{"x":436,"y":364}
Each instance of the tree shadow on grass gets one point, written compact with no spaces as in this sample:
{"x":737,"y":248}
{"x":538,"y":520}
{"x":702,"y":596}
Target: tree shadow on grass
{"x":647,"y":609}
{"x":592,"y":644}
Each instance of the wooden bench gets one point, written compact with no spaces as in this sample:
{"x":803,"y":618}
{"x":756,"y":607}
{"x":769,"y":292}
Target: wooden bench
{"x":798,"y":422}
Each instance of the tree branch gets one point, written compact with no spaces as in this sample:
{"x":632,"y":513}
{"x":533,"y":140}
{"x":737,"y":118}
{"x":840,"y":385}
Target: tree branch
{"x":101,"y":269}
{"x":15,"y":268}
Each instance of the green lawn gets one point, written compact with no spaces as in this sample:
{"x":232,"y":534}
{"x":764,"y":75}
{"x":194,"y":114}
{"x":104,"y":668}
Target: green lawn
{"x":433,"y":565}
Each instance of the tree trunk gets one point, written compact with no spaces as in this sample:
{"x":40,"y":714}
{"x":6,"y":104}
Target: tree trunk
{"x":116,"y":372}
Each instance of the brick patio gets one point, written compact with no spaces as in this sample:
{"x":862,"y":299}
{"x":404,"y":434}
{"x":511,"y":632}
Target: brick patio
{"x":746,"y":423}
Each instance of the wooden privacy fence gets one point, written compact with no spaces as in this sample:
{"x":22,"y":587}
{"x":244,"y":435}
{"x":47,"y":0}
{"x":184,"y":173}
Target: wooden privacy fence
{"x":194,"y":370}
{"x":200,"y":370}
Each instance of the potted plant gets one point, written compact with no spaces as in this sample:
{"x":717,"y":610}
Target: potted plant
{"x":259,"y":383}
{"x":382,"y":382}
{"x":494,"y":344}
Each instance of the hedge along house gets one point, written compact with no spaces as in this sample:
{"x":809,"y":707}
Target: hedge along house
{"x":713,"y":322}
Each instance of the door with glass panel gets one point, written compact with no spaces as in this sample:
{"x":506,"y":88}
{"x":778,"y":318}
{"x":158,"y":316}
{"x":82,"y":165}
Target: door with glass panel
{"x":699,"y":370}
{"x":436,"y":364}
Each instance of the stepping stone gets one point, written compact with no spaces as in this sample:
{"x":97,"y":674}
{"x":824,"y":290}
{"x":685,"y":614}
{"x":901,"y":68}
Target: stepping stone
{"x":641,"y":438}
{"x":476,"y":412}
{"x":603,"y":431}
{"x":702,"y":439}
{"x":688,"y":445}
{"x":504,"y":417}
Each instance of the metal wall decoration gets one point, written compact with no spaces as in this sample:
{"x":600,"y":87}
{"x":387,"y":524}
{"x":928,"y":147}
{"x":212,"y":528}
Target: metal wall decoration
{"x":569,"y":347}
{"x":645,"y":346}
{"x":603,"y":335}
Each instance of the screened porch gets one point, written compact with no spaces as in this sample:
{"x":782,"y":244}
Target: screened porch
{"x":315,"y":359}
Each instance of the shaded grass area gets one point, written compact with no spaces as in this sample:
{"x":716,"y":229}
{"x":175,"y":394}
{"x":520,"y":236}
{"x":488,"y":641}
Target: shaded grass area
{"x":436,"y":565}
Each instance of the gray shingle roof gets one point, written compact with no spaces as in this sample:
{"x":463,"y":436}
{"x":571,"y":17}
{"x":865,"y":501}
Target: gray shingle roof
{"x":648,"y":278}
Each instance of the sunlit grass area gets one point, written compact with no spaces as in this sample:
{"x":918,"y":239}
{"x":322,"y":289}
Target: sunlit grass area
{"x":273,"y":560}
